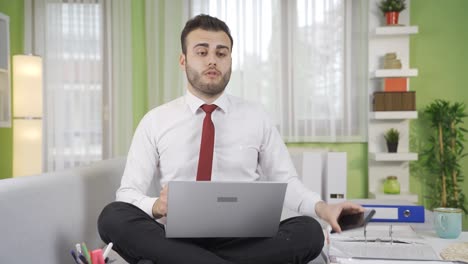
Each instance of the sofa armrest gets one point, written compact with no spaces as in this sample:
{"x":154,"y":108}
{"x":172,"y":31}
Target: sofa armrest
{"x":43,"y":216}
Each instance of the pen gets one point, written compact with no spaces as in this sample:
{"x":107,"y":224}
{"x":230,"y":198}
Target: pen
{"x":75,"y":258}
{"x":107,"y":250}
{"x":85,"y":252}
{"x":83,"y":259}
{"x":78,"y":248}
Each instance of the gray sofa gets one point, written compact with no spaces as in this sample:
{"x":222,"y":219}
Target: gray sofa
{"x":43,"y":216}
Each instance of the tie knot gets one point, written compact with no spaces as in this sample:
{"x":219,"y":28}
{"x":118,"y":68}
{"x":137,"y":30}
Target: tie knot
{"x":208,"y":108}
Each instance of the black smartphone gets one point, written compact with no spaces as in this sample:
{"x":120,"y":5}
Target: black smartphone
{"x":350,"y":221}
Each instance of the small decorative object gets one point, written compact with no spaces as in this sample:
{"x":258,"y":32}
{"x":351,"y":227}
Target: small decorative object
{"x":448,"y":222}
{"x":391,"y":185}
{"x":391,"y":10}
{"x":391,"y":61}
{"x":392,"y":137}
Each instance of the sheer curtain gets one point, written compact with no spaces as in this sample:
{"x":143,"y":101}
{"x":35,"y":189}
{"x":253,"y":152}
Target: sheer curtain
{"x":68,"y":35}
{"x":118,"y":76}
{"x":304,"y":60}
{"x":164,"y":22}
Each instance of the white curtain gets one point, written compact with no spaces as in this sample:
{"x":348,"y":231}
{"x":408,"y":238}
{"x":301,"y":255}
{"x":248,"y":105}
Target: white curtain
{"x":118,"y":112}
{"x":68,"y":35}
{"x":164,"y":22}
{"x":304,"y":60}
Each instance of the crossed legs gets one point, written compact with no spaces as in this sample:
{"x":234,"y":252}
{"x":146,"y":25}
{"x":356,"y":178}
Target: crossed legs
{"x":137,"y":236}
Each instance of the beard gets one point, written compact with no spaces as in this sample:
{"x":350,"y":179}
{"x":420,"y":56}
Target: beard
{"x":210,"y":89}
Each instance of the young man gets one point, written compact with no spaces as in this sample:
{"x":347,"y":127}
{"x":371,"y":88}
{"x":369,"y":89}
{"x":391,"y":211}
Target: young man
{"x":169,"y":143}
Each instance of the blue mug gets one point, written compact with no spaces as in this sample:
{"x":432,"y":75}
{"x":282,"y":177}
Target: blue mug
{"x":448,"y":222}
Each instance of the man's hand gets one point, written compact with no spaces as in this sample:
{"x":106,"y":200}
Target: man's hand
{"x":160,"y":206}
{"x":331,"y":212}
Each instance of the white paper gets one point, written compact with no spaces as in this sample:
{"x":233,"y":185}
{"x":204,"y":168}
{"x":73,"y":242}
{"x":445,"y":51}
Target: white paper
{"x":378,"y":243}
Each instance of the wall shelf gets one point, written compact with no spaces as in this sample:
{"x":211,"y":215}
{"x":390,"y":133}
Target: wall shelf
{"x":395,"y":197}
{"x":399,"y":156}
{"x":384,"y":73}
{"x":395,"y":115}
{"x":396,"y":30}
{"x":381,"y":164}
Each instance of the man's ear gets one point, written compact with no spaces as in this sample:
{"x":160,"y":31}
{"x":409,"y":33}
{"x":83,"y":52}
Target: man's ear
{"x":182,"y":61}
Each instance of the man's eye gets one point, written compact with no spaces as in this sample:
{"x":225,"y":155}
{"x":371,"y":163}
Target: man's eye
{"x":201,"y":53}
{"x":221,"y":54}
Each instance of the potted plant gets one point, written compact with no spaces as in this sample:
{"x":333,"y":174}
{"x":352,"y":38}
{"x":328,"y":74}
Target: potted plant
{"x":391,"y":9}
{"x":392,"y":136}
{"x":442,"y":156}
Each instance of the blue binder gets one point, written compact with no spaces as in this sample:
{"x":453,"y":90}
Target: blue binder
{"x":397,"y":213}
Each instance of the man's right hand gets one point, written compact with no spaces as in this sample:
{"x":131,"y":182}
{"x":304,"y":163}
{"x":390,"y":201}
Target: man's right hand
{"x":160,"y":206}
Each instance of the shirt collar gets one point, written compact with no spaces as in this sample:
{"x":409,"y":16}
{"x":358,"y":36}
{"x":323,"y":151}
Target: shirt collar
{"x":194,"y":102}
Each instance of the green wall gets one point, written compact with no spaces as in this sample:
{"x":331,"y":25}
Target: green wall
{"x":15,"y":10}
{"x":440,"y":53}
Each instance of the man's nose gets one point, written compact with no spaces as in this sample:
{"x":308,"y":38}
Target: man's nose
{"x":212,"y":59}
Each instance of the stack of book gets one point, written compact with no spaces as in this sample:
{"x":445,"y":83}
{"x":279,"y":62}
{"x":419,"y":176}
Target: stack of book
{"x":395,"y":95}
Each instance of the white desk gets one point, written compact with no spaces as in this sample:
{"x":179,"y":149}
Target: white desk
{"x":438,"y":244}
{"x":426,"y":232}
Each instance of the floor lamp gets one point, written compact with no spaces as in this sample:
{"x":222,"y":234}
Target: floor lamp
{"x":27,"y":115}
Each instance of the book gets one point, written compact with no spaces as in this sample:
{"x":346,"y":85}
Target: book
{"x":395,"y":84}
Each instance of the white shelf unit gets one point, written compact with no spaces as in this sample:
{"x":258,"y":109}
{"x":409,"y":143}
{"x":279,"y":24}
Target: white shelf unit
{"x":399,"y":156}
{"x":385,"y":73}
{"x":382,"y":40}
{"x":394,"y":115}
{"x":5,"y":90}
{"x":396,"y":30}
{"x":413,"y":198}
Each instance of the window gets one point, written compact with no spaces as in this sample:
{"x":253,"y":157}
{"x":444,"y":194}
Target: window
{"x":304,"y":60}
{"x":74,"y":81}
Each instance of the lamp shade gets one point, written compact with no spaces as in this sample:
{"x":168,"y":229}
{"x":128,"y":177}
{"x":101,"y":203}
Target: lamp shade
{"x":27,"y":147}
{"x":27,"y":115}
{"x":27,"y":86}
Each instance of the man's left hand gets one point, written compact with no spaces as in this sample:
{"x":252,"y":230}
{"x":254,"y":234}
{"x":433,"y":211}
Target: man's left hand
{"x":331,"y":212}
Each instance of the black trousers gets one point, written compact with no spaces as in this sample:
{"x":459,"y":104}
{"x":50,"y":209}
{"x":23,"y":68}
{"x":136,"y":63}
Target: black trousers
{"x":136,"y":236}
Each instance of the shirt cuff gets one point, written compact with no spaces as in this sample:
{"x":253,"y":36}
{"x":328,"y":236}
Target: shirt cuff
{"x":307,"y":207}
{"x":146,"y":204}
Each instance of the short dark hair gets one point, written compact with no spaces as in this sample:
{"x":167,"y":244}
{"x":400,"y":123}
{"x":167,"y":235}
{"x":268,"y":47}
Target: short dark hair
{"x":204,"y":22}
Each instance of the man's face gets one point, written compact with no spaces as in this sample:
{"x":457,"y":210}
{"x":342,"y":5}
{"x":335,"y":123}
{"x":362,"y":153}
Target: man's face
{"x":207,"y":63}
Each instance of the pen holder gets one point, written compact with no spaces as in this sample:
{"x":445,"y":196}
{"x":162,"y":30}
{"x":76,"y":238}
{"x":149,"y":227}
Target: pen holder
{"x":97,"y":257}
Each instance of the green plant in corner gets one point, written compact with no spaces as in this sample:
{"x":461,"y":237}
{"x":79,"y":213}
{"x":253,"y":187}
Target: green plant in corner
{"x":392,"y":6}
{"x":443,"y":154}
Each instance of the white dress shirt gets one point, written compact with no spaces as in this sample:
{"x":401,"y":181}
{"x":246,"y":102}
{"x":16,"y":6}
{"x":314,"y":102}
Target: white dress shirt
{"x":247,"y":147}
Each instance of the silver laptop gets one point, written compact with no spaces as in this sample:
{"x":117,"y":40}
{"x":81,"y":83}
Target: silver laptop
{"x":224,"y":209}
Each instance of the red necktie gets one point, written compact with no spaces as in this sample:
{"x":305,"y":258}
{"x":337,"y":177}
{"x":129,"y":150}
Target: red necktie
{"x":205,"y":161}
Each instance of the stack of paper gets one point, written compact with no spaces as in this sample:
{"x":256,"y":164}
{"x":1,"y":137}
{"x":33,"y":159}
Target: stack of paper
{"x":381,"y":242}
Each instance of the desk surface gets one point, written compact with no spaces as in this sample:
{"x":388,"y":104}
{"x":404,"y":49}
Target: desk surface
{"x":438,"y":244}
{"x":424,"y":233}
